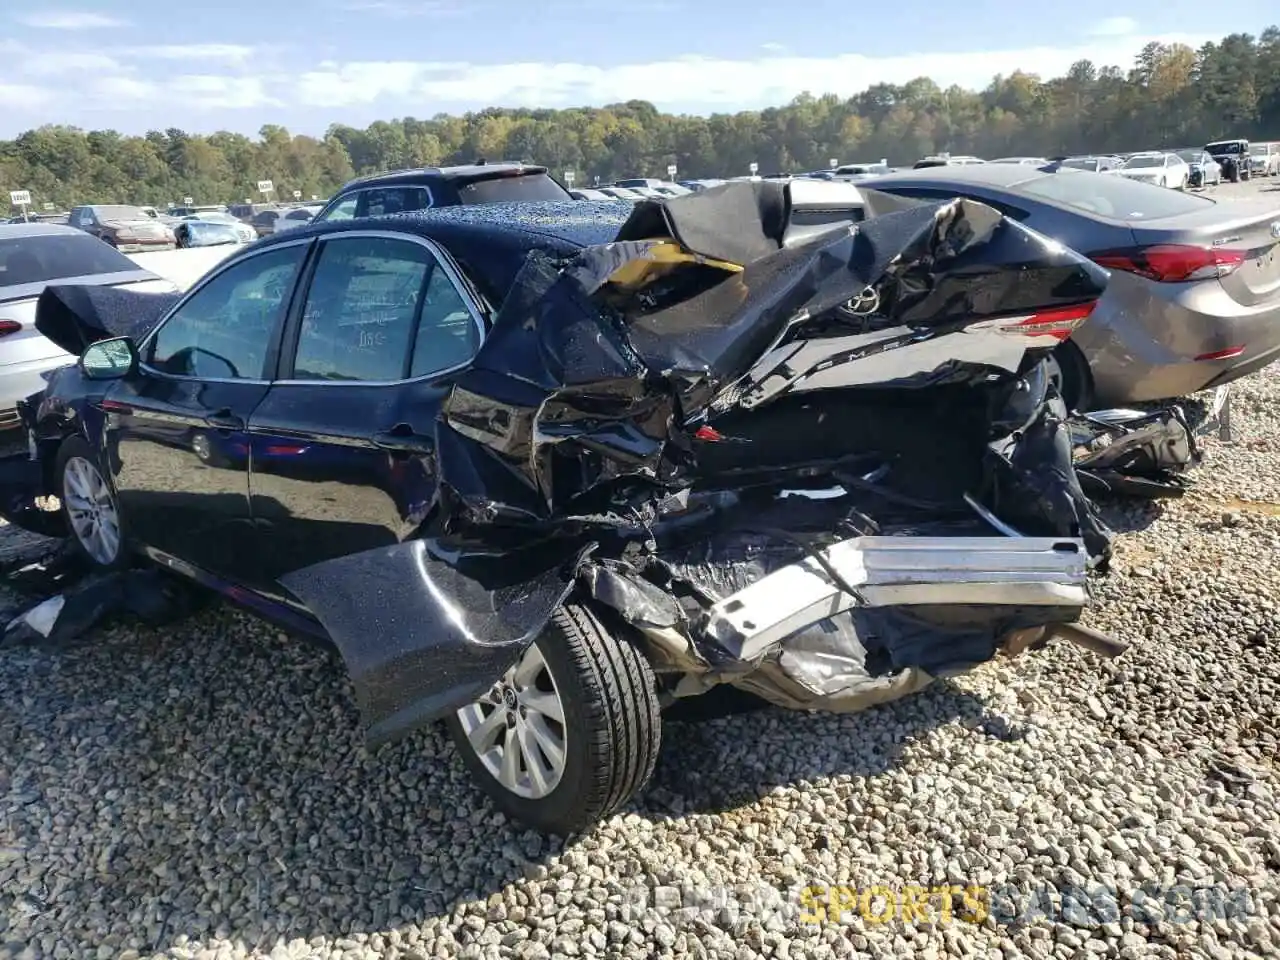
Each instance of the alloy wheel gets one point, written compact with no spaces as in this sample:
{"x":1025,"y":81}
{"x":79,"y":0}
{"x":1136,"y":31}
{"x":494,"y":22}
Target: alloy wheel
{"x":201,"y":448}
{"x":92,"y":510}
{"x":517,"y":728}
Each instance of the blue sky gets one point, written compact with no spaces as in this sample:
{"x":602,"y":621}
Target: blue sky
{"x":135,"y":65}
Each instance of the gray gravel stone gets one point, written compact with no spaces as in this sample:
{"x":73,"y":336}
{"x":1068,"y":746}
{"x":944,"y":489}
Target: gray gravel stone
{"x":202,"y":791}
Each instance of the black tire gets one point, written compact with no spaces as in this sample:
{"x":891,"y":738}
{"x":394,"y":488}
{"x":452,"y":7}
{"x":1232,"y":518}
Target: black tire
{"x":78,"y":447}
{"x":1075,"y":382}
{"x":612,"y":723}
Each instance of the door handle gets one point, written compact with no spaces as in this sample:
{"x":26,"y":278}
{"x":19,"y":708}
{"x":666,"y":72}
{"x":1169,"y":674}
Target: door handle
{"x":402,"y":439}
{"x":224,"y":420}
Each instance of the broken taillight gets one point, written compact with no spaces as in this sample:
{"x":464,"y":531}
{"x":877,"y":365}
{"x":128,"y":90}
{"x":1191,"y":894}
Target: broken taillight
{"x":1056,"y":322}
{"x":9,"y":326}
{"x":1171,"y":262}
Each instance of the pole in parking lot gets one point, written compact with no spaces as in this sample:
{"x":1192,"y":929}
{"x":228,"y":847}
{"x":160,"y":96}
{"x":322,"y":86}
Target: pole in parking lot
{"x":671,"y":171}
{"x":753,"y":167}
{"x":569,"y":178}
{"x":265,"y":187}
{"x":834,"y":163}
{"x":297,"y":194}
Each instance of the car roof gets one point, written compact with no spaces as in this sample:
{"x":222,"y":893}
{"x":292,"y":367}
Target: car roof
{"x":18,"y":231}
{"x":576,"y":223}
{"x":991,"y":174}
{"x":461,"y":172}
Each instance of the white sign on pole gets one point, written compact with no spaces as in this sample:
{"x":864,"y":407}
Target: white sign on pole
{"x":188,"y":202}
{"x":753,"y":167}
{"x":671,"y":170}
{"x":20,"y":198}
{"x":569,"y":177}
{"x":315,"y":196}
{"x":297,"y":194}
{"x":48,"y":206}
{"x":265,"y":186}
{"x":834,"y":163}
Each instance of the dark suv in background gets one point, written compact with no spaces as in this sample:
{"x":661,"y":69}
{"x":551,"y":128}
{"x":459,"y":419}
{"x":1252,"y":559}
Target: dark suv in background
{"x":1232,"y":157}
{"x":403,"y":190}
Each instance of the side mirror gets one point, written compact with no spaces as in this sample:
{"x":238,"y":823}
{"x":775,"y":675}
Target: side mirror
{"x":109,"y":359}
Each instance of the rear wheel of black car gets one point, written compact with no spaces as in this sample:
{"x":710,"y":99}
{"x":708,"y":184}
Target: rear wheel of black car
{"x":89,"y":506}
{"x":570,"y":733}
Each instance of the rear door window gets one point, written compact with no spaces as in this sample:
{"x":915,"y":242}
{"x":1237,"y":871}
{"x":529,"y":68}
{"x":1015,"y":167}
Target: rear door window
{"x":382,"y":201}
{"x":380,"y":310}
{"x":344,"y":209}
{"x":527,"y":187}
{"x":936,"y":193}
{"x":1116,"y":198}
{"x":359,"y":317}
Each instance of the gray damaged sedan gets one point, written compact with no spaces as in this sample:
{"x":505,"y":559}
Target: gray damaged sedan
{"x":1194,"y":297}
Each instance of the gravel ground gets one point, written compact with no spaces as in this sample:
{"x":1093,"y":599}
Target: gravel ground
{"x":202,"y":792}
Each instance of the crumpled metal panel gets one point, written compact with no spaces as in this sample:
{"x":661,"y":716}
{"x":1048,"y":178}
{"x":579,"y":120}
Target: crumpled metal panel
{"x":577,"y":410}
{"x":74,"y":316}
{"x":424,"y":629}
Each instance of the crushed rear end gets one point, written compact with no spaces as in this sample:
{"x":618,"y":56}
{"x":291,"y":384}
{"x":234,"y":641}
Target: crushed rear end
{"x":824,"y":472}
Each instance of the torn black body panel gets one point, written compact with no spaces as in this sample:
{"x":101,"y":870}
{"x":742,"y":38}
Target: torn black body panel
{"x":75,"y":316}
{"x":424,"y":631}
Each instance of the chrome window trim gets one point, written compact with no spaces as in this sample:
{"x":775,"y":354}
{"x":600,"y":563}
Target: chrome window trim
{"x":321,"y":218}
{"x":456,"y":277}
{"x":200,"y":285}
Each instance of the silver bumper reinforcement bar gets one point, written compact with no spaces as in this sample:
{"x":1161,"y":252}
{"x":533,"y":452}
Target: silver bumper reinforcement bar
{"x":889,"y":571}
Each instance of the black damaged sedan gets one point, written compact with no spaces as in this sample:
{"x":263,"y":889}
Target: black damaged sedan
{"x":543,"y":470}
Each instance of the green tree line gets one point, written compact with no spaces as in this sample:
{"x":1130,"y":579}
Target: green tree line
{"x":1171,"y":96}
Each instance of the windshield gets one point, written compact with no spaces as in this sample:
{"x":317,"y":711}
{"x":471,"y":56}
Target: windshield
{"x":1191,"y":156}
{"x":1134,"y":162}
{"x":1079,"y":164}
{"x":215,"y":217}
{"x":1117,"y":198}
{"x":1223,"y":146}
{"x":39,"y":259}
{"x":537,"y":186}
{"x":120,"y":212}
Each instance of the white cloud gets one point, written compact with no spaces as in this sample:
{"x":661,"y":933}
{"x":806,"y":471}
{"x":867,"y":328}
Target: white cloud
{"x":403,"y":9}
{"x":230,"y":53}
{"x":775,"y":48}
{"x":22,"y":96}
{"x":685,"y":83}
{"x":121,"y":90}
{"x":69,"y":20}
{"x":53,"y":63}
{"x":174,"y":85}
{"x":203,"y":91}
{"x":1114,"y":27}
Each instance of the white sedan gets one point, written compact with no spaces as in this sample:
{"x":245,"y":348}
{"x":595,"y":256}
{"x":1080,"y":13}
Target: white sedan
{"x":245,"y":232}
{"x":1160,"y":169}
{"x":33,"y":255}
